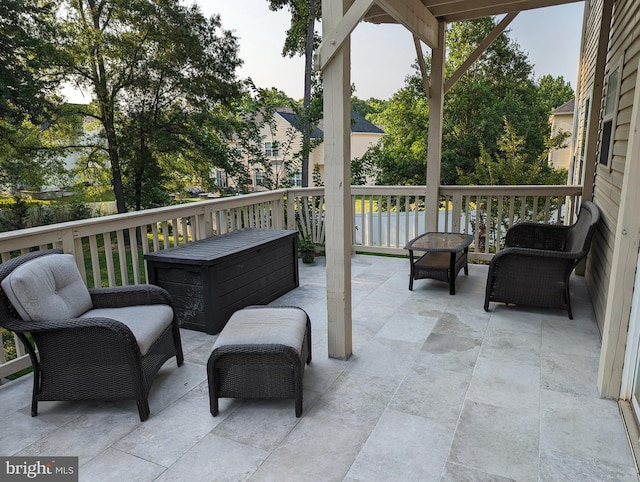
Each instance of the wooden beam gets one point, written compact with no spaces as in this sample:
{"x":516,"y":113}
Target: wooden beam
{"x":624,"y":265}
{"x":415,"y":17}
{"x":454,"y":12}
{"x":423,"y":66}
{"x":337,"y":156}
{"x":480,"y":49}
{"x":333,"y":41}
{"x":434,"y":139}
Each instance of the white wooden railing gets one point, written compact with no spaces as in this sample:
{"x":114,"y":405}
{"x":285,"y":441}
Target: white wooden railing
{"x":384,"y":219}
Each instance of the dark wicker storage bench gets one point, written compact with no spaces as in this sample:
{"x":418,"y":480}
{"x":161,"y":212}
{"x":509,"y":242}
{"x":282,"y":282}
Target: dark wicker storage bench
{"x":211,"y":279}
{"x":260,"y":354}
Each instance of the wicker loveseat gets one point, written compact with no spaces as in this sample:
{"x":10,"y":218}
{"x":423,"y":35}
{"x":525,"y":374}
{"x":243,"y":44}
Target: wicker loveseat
{"x":97,"y":344}
{"x":534,"y":267}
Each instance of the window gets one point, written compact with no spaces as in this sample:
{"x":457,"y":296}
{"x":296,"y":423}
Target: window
{"x":609,"y":117}
{"x":296,"y":179}
{"x":239,"y":150}
{"x":221,"y":178}
{"x":259,"y":177}
{"x":271,"y":149}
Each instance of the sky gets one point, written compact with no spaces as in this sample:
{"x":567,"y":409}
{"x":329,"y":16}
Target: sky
{"x":381,"y":55}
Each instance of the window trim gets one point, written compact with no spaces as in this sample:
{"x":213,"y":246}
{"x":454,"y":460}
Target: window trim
{"x":271,"y":149}
{"x":259,"y":176}
{"x":609,"y":119}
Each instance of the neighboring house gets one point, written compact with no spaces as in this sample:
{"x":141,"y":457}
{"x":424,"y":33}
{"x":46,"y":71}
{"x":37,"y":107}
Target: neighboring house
{"x":364,"y":134}
{"x":561,"y":121}
{"x":285,"y":141}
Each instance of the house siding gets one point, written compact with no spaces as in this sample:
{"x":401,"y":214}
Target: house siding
{"x":623,"y":51}
{"x":599,"y":261}
{"x":610,"y":288}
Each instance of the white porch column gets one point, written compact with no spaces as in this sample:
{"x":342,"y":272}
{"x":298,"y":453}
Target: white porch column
{"x":337,"y":155}
{"x":434,"y":149}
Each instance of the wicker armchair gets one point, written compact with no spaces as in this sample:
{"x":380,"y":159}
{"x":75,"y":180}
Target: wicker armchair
{"x":111,"y":351}
{"x":534,"y":267}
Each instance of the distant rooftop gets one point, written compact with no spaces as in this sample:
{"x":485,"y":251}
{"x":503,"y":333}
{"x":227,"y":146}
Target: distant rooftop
{"x":358,"y":123}
{"x":566,"y":108}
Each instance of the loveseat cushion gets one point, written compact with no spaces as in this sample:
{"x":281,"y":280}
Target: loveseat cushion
{"x":47,"y":288}
{"x":146,"y":322}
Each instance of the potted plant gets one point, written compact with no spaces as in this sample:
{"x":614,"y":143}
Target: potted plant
{"x":307,"y":250}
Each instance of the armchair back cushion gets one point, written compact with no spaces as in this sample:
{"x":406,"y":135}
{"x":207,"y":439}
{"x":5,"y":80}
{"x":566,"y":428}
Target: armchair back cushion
{"x":579,"y":237}
{"x":47,"y":288}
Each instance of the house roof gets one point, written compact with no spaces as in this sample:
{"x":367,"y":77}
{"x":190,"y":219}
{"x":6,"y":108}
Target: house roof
{"x":296,"y":121}
{"x":358,"y":123}
{"x":566,"y":108}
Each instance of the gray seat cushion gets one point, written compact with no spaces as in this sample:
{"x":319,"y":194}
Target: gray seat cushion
{"x":147,"y":322}
{"x":47,"y":288}
{"x":265,"y":326}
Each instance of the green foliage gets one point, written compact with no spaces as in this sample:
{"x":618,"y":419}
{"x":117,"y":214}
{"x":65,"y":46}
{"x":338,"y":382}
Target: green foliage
{"x":17,"y":213}
{"x":553,"y":92}
{"x":27,"y":36}
{"x":367,"y":108}
{"x":28,"y":79}
{"x":302,"y":39}
{"x":512,"y":164}
{"x":317,"y":177}
{"x":307,"y":250}
{"x":163,"y":79}
{"x":303,"y":12}
{"x":498,"y":86}
{"x":402,"y":157}
{"x":364,"y":166}
{"x":259,"y":125}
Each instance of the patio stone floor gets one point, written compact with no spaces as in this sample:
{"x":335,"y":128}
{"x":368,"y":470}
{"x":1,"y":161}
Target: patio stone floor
{"x":436,"y":389}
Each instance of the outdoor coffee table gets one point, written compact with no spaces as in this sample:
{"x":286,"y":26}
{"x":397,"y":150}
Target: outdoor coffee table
{"x":445,"y":254}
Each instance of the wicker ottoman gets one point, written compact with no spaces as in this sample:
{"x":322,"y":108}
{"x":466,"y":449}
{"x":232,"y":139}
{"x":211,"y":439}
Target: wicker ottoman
{"x":260,"y":353}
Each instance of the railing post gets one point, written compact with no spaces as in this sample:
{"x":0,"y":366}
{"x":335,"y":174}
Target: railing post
{"x":277,"y":213}
{"x":291,"y":213}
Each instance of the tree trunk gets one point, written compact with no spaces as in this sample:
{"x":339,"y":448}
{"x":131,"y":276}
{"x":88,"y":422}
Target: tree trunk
{"x":308,"y":65}
{"x":114,"y":158}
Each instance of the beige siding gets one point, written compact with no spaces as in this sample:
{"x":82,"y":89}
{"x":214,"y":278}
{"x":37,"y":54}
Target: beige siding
{"x":560,"y":158}
{"x":608,"y":285}
{"x":290,"y":140}
{"x":598,"y":262}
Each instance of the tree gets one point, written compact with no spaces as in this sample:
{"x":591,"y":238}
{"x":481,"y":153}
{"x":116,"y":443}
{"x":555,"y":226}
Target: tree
{"x":27,"y":87}
{"x":498,"y":85}
{"x":512,"y":164}
{"x":27,"y":34}
{"x":367,"y":108}
{"x":554,"y":92}
{"x":302,"y":40}
{"x":401,"y":159}
{"x":163,"y":79}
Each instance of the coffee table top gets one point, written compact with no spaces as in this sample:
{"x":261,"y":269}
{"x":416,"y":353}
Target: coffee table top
{"x":443,"y":242}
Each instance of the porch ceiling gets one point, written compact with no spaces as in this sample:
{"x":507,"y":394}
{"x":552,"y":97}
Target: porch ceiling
{"x":456,"y":10}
